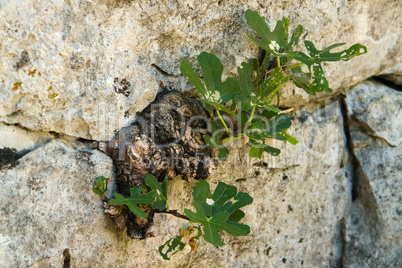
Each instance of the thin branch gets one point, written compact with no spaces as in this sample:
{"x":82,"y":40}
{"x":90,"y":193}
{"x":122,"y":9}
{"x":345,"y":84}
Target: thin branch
{"x":172,"y":212}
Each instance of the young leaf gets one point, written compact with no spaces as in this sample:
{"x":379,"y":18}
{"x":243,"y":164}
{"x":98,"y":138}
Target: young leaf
{"x":214,"y":211}
{"x":289,"y":138}
{"x":100,"y":185}
{"x":187,"y":70}
{"x":173,"y":247}
{"x":136,"y":198}
{"x":213,"y":225}
{"x":161,"y":191}
{"x":254,"y":151}
{"x":212,"y":70}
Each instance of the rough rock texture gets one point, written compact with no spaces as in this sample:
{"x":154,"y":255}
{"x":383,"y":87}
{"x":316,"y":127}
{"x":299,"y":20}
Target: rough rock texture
{"x":332,"y":200}
{"x":296,"y":216}
{"x":165,"y":139}
{"x":84,"y":67}
{"x":46,"y":200}
{"x":373,"y":231}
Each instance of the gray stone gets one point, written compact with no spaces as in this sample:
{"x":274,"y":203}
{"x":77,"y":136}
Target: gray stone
{"x":377,"y":108}
{"x":50,"y":214}
{"x":46,"y":200}
{"x":84,"y":68}
{"x":373,"y":226}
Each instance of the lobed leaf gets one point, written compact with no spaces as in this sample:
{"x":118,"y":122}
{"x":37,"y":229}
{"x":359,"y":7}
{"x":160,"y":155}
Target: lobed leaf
{"x":318,"y":81}
{"x":136,"y":198}
{"x":215,"y":212}
{"x":173,"y":247}
{"x":161,"y":201}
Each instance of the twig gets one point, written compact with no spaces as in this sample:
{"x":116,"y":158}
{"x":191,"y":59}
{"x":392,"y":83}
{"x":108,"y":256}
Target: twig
{"x":172,"y":212}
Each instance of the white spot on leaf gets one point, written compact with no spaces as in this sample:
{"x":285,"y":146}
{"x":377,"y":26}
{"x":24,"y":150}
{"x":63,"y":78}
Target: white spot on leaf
{"x":210,"y":201}
{"x":274,"y":46}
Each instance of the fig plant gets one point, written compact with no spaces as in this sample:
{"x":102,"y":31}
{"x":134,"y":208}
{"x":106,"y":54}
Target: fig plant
{"x":215,"y":212}
{"x":247,"y":100}
{"x":252,"y":92}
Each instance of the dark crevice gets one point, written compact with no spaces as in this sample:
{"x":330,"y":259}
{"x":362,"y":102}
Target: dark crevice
{"x":388,"y":83}
{"x":361,"y":190}
{"x":343,"y":242}
{"x":349,"y":148}
{"x":67,"y":258}
{"x":366,"y":129}
{"x":163,"y":71}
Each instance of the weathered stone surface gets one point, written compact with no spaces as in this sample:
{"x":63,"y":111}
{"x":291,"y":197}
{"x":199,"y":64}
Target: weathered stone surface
{"x":21,"y":139}
{"x":85,"y":67}
{"x":299,"y":203}
{"x":378,"y":108}
{"x":46,"y":200}
{"x":373,"y":229}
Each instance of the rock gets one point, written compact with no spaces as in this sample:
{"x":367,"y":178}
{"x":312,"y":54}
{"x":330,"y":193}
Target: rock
{"x":21,"y":139}
{"x":299,"y":203}
{"x":46,"y":200}
{"x":393,"y":75}
{"x":377,"y":108}
{"x":373,"y":233}
{"x":84,"y":68}
{"x":76,"y":72}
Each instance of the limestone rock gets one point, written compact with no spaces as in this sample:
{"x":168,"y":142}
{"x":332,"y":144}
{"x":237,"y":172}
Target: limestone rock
{"x":46,"y":200}
{"x":85,"y":67}
{"x":373,"y":233}
{"x":52,"y":216}
{"x":378,"y":108}
{"x":21,"y":139}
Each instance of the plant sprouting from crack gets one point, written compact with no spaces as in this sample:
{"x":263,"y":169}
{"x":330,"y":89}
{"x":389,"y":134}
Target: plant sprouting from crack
{"x":215,"y":212}
{"x":247,"y":102}
{"x":252,"y":92}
